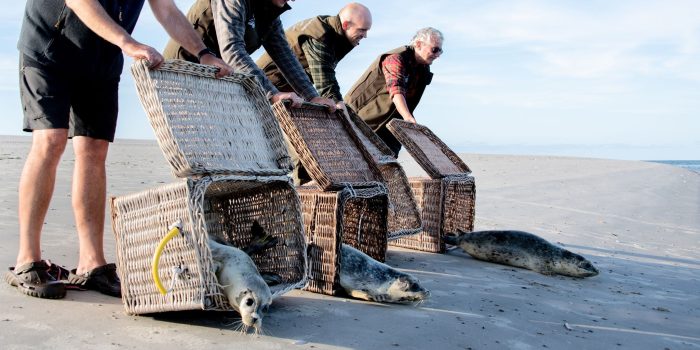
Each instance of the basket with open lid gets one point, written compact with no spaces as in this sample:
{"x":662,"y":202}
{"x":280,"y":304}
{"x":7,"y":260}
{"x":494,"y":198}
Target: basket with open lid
{"x":403,"y":215}
{"x":222,"y":136}
{"x":206,"y":125}
{"x":327,"y":146}
{"x":446,"y":200}
{"x":433,"y":155}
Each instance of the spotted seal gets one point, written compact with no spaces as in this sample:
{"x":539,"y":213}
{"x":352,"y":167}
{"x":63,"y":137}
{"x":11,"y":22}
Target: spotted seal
{"x":365,"y":278}
{"x":522,"y":249}
{"x":245,"y":289}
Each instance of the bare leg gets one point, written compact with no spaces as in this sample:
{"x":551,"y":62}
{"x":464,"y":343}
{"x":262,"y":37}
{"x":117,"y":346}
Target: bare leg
{"x":36,"y":189}
{"x":89,"y":195}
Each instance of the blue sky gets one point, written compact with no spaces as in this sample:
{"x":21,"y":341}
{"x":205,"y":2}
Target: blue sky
{"x":609,"y":79}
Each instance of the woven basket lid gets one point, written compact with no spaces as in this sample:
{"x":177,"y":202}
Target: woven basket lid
{"x":327,"y":146}
{"x":381,"y":153}
{"x":428,"y":150}
{"x":206,"y":125}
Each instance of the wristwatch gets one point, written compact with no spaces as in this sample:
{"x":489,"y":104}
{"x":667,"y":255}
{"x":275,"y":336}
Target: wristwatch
{"x":205,"y":51}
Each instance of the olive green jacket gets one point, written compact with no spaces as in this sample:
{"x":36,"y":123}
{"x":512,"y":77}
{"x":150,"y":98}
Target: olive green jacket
{"x":369,"y":97}
{"x":328,"y":31}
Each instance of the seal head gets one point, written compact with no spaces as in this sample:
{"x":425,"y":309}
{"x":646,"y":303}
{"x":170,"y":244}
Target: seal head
{"x":242,"y":284}
{"x":365,"y":278}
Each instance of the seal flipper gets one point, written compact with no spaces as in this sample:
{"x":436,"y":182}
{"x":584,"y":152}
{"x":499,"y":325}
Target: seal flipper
{"x":271,"y":278}
{"x":360,"y":294}
{"x":261,"y":240}
{"x":451,"y":240}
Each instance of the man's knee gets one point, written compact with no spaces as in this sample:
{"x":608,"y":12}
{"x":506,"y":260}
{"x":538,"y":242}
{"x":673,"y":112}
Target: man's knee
{"x":90,"y":149}
{"x":49,"y":143}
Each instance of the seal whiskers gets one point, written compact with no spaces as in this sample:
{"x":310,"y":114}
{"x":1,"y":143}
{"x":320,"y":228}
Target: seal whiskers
{"x":242,"y":284}
{"x":522,"y":249}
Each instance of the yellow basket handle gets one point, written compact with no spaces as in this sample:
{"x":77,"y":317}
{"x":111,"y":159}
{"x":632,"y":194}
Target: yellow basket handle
{"x":175,"y":229}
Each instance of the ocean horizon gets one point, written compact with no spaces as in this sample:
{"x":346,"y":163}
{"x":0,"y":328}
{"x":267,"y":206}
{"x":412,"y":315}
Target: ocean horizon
{"x":693,"y":165}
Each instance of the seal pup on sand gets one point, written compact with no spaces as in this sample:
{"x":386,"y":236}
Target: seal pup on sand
{"x":522,"y":249}
{"x":365,"y":278}
{"x":245,"y":289}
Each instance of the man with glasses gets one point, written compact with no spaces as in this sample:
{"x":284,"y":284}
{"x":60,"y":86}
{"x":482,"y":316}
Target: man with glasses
{"x":393,"y":84}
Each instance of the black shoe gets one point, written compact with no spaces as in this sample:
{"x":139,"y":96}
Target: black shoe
{"x":103,"y":279}
{"x":38,"y":279}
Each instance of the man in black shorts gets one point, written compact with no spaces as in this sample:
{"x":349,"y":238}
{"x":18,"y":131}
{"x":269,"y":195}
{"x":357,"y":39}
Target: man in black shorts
{"x":70,"y":63}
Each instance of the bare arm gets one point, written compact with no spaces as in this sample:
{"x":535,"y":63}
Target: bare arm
{"x":401,"y":107}
{"x":394,"y":69}
{"x":94,"y":16}
{"x":180,"y":29}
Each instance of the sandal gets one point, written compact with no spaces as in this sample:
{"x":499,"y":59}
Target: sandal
{"x":103,"y":279}
{"x":38,"y":279}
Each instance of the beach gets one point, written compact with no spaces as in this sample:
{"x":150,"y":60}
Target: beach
{"x":638,"y":222}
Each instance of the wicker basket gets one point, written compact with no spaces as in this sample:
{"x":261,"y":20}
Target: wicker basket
{"x":445,"y":205}
{"x":428,"y":150}
{"x":355,"y":217}
{"x":403,"y":218}
{"x":221,"y":207}
{"x":222,"y":134}
{"x":374,"y":144}
{"x":446,"y":200}
{"x":211,"y":126}
{"x":328,"y":149}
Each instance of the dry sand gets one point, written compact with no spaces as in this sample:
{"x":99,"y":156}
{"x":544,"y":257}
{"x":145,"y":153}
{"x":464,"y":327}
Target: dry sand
{"x":638,"y":222}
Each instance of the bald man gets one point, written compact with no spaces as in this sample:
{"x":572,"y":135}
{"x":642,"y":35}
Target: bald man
{"x":320,"y":43}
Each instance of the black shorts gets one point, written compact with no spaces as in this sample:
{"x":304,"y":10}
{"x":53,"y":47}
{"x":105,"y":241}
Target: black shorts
{"x":53,"y":99}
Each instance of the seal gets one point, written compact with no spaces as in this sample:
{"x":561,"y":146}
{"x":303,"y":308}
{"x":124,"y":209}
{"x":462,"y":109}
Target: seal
{"x":365,"y":278}
{"x":245,"y":289}
{"x":522,"y":249}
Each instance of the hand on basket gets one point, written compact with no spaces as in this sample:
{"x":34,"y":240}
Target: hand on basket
{"x":211,"y":60}
{"x":410,"y":119}
{"x":140,"y":51}
{"x":326,"y":102}
{"x":296,"y":100}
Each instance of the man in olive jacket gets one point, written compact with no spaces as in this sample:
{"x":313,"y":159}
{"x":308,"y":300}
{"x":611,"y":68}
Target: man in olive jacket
{"x":393,"y":84}
{"x":320,"y":43}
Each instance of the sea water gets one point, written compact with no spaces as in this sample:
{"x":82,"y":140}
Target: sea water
{"x":693,"y":165}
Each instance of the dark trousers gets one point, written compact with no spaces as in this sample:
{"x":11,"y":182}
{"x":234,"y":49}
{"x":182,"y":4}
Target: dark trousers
{"x":389,"y":139}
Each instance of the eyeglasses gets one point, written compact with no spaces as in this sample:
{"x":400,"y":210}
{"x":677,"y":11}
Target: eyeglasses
{"x":436,"y":49}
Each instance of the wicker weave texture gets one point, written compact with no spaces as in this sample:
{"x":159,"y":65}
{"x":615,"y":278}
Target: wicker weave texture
{"x":428,"y":195}
{"x":445,"y":205}
{"x":428,"y":150}
{"x":328,"y":148}
{"x":206,"y":125}
{"x":459,"y":207}
{"x":222,"y":207}
{"x":356,"y":217}
{"x":403,"y":214}
{"x":381,"y":153}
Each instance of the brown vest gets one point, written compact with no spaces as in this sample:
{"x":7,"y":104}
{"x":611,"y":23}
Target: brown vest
{"x":369,"y":97}
{"x":259,"y":13}
{"x":327,"y":29}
